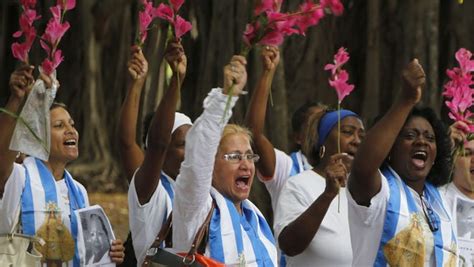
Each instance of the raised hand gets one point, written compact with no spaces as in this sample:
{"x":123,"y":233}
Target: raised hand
{"x":414,"y":79}
{"x":336,"y":173}
{"x":270,"y":58}
{"x":457,"y":132}
{"x":176,"y":58}
{"x":235,"y":75}
{"x":137,"y":65}
{"x":21,"y":81}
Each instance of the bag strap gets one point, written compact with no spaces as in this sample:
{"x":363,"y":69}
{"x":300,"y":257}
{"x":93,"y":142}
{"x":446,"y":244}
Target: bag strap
{"x":202,"y":232}
{"x":165,"y":230}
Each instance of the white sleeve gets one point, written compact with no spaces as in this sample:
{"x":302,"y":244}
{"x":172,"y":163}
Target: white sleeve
{"x":10,"y":201}
{"x":291,"y":204}
{"x":375,"y":212}
{"x":146,"y":220}
{"x":192,"y":188}
{"x":283,"y":165}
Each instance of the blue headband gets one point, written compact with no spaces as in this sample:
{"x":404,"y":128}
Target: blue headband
{"x":328,"y":121}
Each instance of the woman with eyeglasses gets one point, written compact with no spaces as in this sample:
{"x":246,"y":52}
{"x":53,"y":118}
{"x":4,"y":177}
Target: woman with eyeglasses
{"x":219,"y":166}
{"x":311,"y":224}
{"x":398,"y":217}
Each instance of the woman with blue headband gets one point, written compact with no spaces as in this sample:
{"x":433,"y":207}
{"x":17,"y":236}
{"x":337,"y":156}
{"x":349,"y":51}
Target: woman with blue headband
{"x":311,"y":229}
{"x":398,"y":217}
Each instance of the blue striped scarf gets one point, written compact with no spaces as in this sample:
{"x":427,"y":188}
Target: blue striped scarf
{"x":401,"y":201}
{"x":40,"y":189}
{"x":233,"y":235}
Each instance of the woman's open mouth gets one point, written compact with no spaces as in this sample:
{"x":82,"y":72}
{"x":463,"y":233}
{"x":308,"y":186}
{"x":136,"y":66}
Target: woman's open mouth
{"x":419,"y":159}
{"x":242,"y":182}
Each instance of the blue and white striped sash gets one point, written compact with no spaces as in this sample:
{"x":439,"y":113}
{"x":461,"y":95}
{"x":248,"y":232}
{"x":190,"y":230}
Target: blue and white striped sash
{"x":300,"y":163}
{"x":401,"y":201}
{"x":232,"y":234}
{"x":40,"y":189}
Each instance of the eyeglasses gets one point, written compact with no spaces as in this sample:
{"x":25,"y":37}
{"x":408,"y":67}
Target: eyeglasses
{"x":237,"y":157}
{"x":430,"y":215}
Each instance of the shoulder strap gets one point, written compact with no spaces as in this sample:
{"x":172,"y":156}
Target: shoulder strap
{"x":165,"y":230}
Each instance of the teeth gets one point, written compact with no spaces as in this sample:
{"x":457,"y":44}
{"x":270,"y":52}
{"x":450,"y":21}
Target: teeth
{"x":422,"y":153}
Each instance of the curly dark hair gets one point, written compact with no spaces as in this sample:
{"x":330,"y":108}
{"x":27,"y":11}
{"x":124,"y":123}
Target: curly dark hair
{"x":441,"y":171}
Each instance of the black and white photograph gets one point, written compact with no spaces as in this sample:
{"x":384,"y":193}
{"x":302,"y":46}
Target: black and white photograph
{"x":465,"y":228}
{"x":97,"y":235}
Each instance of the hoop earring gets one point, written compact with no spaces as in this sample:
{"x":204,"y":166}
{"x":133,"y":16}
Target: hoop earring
{"x":322,"y":151}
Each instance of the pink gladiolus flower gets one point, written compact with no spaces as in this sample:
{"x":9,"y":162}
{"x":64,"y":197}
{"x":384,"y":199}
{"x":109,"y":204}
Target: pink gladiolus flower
{"x":50,"y":65}
{"x":458,"y":90}
{"x":66,"y":4}
{"x":463,"y":56}
{"x":273,"y":38}
{"x":165,"y":12}
{"x":55,"y":31}
{"x":56,"y":12}
{"x":249,"y":34}
{"x":176,"y":4}
{"x":181,"y":26}
{"x":334,"y":5}
{"x":27,"y":4}
{"x":311,"y":15}
{"x":20,"y":51}
{"x":339,"y":83}
{"x":265,"y":5}
{"x":340,"y":59}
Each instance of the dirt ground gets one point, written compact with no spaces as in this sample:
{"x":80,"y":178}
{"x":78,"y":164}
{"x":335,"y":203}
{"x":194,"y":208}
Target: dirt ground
{"x":116,"y":207}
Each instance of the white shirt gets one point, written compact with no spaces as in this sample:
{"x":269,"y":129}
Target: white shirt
{"x":146,"y":220}
{"x":331,"y":245}
{"x":10,"y":203}
{"x":283,"y":166}
{"x":366,"y":226}
{"x":463,"y":229}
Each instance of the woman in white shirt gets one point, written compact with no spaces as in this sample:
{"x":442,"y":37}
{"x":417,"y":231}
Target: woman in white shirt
{"x":219,"y":166}
{"x":397,"y":215}
{"x":311,"y":225}
{"x":44,"y":191}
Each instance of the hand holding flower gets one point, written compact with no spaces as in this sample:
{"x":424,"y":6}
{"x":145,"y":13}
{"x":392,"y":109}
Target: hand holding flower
{"x":235,"y":76}
{"x":176,"y":58}
{"x":270,"y":58}
{"x":414,"y":79}
{"x":20,"y":81}
{"x":137,"y":65}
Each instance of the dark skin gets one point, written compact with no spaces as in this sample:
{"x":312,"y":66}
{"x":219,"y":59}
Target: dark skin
{"x":297,"y":236}
{"x":257,"y":110}
{"x":365,"y":181}
{"x":131,"y":154}
{"x":159,"y":134}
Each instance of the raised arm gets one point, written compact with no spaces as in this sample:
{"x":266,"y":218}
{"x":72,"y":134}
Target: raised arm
{"x":159,"y":134}
{"x":297,"y":236}
{"x":131,"y":155}
{"x":257,"y":110}
{"x":193,"y":185}
{"x":21,"y":81}
{"x":365,"y":181}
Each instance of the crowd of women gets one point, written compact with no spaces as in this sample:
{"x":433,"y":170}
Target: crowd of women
{"x":347,"y":197}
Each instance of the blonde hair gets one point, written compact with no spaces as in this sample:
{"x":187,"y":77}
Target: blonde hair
{"x":231,"y":129}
